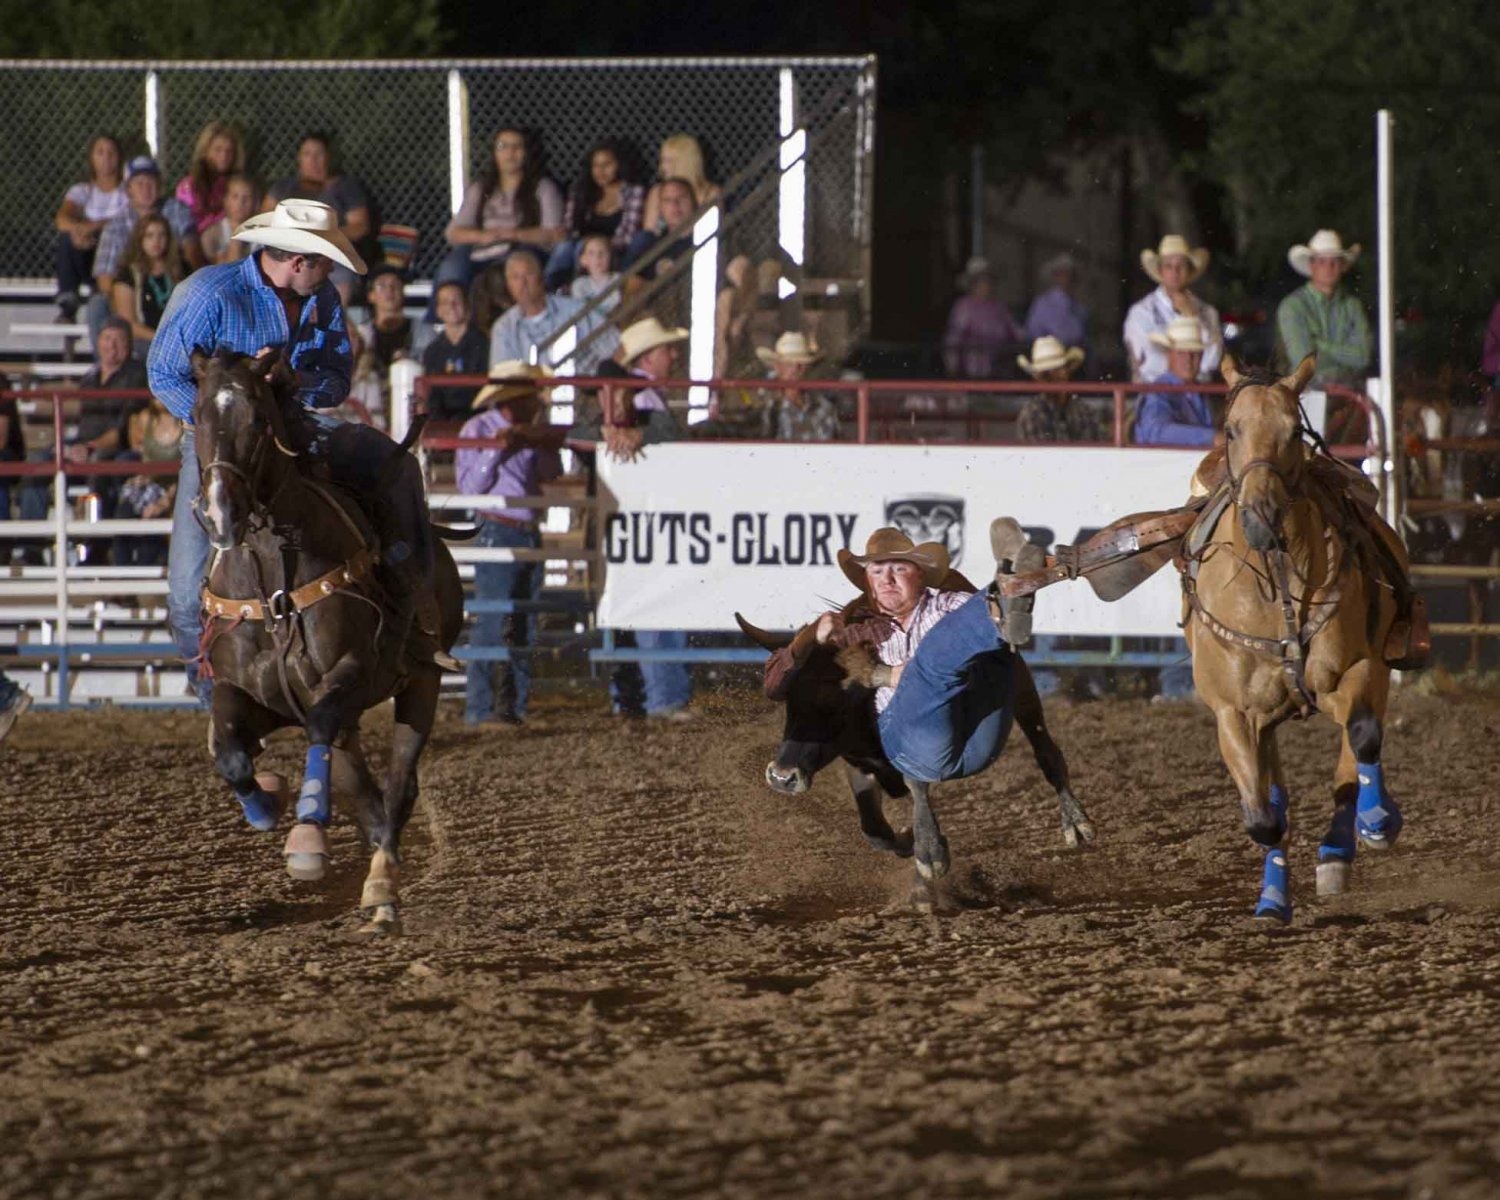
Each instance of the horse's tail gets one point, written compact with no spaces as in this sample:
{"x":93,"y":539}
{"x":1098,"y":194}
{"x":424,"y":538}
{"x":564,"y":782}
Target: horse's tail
{"x":449,"y":534}
{"x":414,"y":431}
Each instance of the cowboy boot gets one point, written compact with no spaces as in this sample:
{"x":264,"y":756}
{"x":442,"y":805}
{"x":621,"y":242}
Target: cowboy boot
{"x":1014,"y":555}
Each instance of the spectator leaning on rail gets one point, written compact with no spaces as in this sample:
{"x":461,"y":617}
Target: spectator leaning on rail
{"x":143,"y":188}
{"x":796,"y":415}
{"x":1056,"y":312}
{"x":280,"y":298}
{"x":1323,"y":318}
{"x":979,"y":326}
{"x":496,"y":692}
{"x":318,"y":179}
{"x":1177,"y":418}
{"x":85,"y":210}
{"x":536,"y":315}
{"x":1174,"y":265}
{"x":648,"y":350}
{"x":1056,"y":416}
{"x":459,"y":348}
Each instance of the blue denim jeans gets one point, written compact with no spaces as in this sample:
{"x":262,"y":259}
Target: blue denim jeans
{"x":652,"y":687}
{"x":1177,"y":680}
{"x":562,"y":264}
{"x":952,"y":710}
{"x":494,"y":687}
{"x":187,"y":560}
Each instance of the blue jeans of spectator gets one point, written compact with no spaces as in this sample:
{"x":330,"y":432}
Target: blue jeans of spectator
{"x":95,"y":313}
{"x":492,"y":686}
{"x":654,"y":686}
{"x":75,"y":268}
{"x":640,"y":244}
{"x":952,"y":710}
{"x":187,"y":559}
{"x":562,"y":264}
{"x":1177,"y":680}
{"x":6,"y":456}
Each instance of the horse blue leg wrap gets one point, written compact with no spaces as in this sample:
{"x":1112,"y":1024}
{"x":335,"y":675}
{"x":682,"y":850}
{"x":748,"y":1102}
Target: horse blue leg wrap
{"x":313,"y":800}
{"x":1275,"y":883}
{"x":261,"y":809}
{"x":1338,"y":843}
{"x":1378,"y":820}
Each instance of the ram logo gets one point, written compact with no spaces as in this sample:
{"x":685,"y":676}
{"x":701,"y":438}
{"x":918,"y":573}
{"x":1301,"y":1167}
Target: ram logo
{"x":930,"y":519}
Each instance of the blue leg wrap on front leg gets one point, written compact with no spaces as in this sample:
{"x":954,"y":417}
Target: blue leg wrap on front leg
{"x":1275,"y":888}
{"x":313,"y":801}
{"x":1378,"y":821}
{"x":1338,"y":843}
{"x":261,"y":809}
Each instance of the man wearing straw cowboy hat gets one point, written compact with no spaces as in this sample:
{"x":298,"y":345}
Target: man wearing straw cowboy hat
{"x":506,"y":407}
{"x":656,"y":688}
{"x":796,"y":415}
{"x":1177,"y":418}
{"x":279,"y":298}
{"x":1056,"y":416}
{"x":1174,"y":265}
{"x":1322,"y":318}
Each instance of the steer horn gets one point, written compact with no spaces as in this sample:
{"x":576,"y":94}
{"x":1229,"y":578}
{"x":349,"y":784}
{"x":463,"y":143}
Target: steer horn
{"x":767,"y":641}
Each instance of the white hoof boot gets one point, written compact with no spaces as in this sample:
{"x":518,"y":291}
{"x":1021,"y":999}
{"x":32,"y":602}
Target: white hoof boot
{"x":306,"y":852}
{"x":1333,"y":878}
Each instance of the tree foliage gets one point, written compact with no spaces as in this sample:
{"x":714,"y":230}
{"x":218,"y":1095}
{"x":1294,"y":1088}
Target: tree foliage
{"x":1290,"y":89}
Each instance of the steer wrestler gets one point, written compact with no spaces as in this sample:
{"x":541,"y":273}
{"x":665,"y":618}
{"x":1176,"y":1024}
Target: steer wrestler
{"x":941,"y":661}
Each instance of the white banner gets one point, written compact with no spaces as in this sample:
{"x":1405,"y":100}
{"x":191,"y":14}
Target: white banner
{"x":692,"y":533}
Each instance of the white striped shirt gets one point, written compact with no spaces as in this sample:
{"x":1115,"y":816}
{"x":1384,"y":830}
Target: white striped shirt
{"x":902,"y":643}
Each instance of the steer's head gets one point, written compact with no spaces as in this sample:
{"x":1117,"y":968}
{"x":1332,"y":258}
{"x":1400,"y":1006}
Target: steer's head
{"x":825,"y":717}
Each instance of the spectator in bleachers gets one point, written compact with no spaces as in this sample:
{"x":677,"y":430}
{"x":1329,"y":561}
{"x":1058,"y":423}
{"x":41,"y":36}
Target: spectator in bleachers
{"x":796,"y":416}
{"x":496,"y":692}
{"x":1056,"y":416}
{"x":536,"y":314}
{"x":602,"y":202}
{"x":241,"y":202}
{"x":1177,"y":418}
{"x":14,"y":701}
{"x":1323,"y":318}
{"x":151,"y":269}
{"x":148,"y":433}
{"x":388,"y":336}
{"x":648,"y":350}
{"x":143,"y":188}
{"x":459,"y":348}
{"x":979,"y":327}
{"x":1174,"y":265}
{"x":12,"y":450}
{"x":85,"y":210}
{"x":681,"y":157}
{"x":318,"y":178}
{"x":596,"y":273}
{"x":489,"y":298}
{"x":1056,"y":312}
{"x":675,"y":228}
{"x":512,"y":205}
{"x":97,"y":438}
{"x":217,"y":154}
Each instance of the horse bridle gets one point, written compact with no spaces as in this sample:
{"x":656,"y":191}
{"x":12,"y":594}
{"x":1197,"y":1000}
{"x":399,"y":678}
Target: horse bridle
{"x":251,"y":480}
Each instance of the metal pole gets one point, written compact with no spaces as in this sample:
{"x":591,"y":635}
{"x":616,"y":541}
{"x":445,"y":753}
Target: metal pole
{"x":153,"y":116}
{"x":458,"y":137}
{"x":1395,"y":498}
{"x":60,"y":550}
{"x":976,"y":201}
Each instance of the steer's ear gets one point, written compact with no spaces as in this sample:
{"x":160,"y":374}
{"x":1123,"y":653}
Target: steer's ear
{"x":767,"y":641}
{"x":199,"y":361}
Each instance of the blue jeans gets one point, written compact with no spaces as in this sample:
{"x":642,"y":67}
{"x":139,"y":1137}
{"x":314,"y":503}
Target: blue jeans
{"x":493,"y":686}
{"x":652,"y":687}
{"x":1177,"y":680}
{"x":952,"y":710}
{"x":562,"y":264}
{"x":187,"y":560}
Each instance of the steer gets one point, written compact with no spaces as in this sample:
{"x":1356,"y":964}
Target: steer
{"x":831,"y":714}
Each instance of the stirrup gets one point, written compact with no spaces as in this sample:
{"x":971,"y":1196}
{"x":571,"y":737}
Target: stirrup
{"x":1014,"y":555}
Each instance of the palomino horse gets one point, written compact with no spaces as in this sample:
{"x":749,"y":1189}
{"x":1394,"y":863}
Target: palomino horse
{"x":298,"y":632}
{"x":1292,"y":592}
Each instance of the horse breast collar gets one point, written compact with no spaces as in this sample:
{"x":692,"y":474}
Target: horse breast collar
{"x":282,"y":604}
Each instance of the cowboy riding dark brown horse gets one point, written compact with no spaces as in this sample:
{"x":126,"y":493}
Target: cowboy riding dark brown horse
{"x":304,"y":625}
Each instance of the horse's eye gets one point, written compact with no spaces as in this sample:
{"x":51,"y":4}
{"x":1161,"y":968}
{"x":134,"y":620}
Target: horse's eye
{"x":1228,"y":434}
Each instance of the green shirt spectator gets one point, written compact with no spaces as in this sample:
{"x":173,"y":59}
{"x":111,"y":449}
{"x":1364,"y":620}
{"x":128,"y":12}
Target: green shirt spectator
{"x":1322,"y":318}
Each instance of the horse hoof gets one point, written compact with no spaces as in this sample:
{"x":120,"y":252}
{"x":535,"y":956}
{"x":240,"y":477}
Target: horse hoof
{"x":385,"y":921}
{"x":1272,"y":913}
{"x":1379,"y":839}
{"x":262,"y":810}
{"x":1080,"y":833}
{"x":1333,"y":878}
{"x":937,"y":866}
{"x":306,"y":852}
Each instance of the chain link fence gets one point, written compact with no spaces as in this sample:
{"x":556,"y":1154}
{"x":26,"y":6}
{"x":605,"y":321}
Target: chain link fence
{"x":390,"y":127}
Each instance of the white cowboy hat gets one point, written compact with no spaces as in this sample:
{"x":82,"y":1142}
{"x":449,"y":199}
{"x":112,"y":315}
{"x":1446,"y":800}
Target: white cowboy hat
{"x":978,"y":265}
{"x":510,"y":380}
{"x":302,"y":227}
{"x":1326,"y":243}
{"x":790,"y":347}
{"x":1048,"y":354}
{"x":1184,"y":333}
{"x":645,"y":335}
{"x":1175,"y":243}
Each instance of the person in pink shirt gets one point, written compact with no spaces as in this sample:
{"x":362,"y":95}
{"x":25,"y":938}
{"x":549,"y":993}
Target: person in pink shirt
{"x":980,"y":328}
{"x":217,"y":154}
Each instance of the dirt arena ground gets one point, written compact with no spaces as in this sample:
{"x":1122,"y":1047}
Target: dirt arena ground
{"x":631,"y":970}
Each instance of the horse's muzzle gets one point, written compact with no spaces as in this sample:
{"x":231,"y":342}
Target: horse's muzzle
{"x":1259,"y":532}
{"x":790,"y":781}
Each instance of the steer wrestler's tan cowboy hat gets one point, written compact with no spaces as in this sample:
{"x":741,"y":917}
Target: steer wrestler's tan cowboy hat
{"x":891,"y":545}
{"x":302,"y":227}
{"x":1326,"y":243}
{"x":645,"y":335}
{"x":510,"y":380}
{"x":1175,"y":243}
{"x":1182,"y":333}
{"x":790,"y":347}
{"x":1048,"y":354}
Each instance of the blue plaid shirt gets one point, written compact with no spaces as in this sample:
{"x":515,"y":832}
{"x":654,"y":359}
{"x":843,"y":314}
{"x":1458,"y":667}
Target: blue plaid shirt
{"x":231,"y":307}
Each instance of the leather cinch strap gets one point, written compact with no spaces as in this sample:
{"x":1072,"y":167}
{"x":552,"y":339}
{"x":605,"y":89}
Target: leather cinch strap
{"x":284,"y":604}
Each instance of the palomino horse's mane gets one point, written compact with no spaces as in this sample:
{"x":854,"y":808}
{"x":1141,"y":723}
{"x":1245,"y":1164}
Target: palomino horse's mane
{"x":1258,"y":377}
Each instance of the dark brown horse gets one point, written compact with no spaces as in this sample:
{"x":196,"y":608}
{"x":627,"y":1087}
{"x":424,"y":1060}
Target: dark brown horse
{"x":1295,"y":595}
{"x":301,"y":627}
